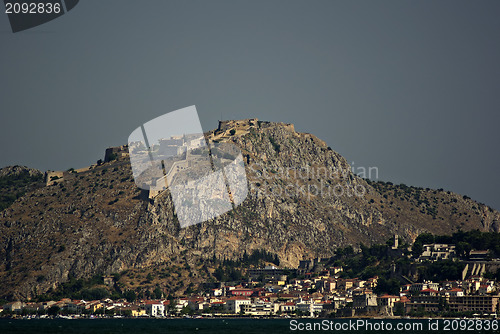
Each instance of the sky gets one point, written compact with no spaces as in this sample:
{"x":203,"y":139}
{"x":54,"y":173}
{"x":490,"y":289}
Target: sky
{"x":409,"y":87}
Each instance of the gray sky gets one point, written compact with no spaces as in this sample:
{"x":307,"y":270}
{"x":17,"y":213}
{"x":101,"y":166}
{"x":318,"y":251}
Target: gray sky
{"x":411,"y":87}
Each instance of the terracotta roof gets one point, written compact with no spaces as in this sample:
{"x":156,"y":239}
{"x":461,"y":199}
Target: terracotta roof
{"x":150,"y":302}
{"x":238,"y":298}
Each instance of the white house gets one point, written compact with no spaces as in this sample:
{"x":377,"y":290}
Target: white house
{"x":437,"y":252}
{"x":233,"y":304}
{"x":309,"y":307}
{"x":155,"y":309}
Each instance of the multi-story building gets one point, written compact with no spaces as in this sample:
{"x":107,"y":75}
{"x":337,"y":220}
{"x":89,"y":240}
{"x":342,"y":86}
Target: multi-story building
{"x":288,"y":307}
{"x":269,"y":272}
{"x":474,"y":303}
{"x":437,"y":252}
{"x":364,"y":300}
{"x":310,"y":308}
{"x":155,"y":309}
{"x":346,"y":284}
{"x":259,"y":308}
{"x":329,"y":285}
{"x":455,"y":292}
{"x":426,"y":303}
{"x":387,"y":300}
{"x":241,"y":292}
{"x":234,"y":304}
{"x":417,"y":287}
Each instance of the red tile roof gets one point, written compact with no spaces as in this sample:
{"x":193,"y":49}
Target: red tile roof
{"x":239,"y":298}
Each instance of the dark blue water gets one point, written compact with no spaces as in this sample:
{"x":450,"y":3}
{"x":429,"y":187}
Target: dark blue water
{"x":234,"y":326}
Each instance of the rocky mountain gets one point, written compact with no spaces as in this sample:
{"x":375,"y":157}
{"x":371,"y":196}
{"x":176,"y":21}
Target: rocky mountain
{"x":303,"y":202}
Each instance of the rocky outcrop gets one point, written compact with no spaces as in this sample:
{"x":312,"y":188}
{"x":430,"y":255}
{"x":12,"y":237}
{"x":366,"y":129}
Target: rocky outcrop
{"x":19,"y":170}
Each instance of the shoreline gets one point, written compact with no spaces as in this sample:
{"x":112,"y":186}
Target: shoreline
{"x":233,"y":317}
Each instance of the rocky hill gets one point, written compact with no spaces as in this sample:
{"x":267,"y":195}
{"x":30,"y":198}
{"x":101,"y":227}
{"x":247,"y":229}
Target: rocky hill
{"x":304,"y":202}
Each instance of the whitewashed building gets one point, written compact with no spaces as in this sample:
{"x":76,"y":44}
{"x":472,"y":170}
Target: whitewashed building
{"x":155,"y":309}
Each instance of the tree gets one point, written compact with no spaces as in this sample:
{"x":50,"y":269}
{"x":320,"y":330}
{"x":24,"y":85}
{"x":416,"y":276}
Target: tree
{"x":399,"y":309}
{"x":391,"y":286}
{"x":235,"y":275}
{"x":157,"y":292}
{"x":417,"y":249}
{"x":186,"y":310}
{"x":95,"y":293}
{"x":219,"y":274}
{"x":130,"y":295}
{"x":463,"y":249}
{"x":53,"y":310}
{"x":422,"y":239}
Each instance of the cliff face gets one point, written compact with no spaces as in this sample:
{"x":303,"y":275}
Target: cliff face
{"x":303,"y":202}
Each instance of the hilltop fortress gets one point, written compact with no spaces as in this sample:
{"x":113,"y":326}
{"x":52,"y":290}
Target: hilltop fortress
{"x":243,"y":126}
{"x":180,"y":146}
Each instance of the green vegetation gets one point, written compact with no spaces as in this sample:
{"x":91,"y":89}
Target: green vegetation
{"x":464,"y":242}
{"x":113,"y":201}
{"x":369,"y":262}
{"x":441,"y":271}
{"x":229,"y":270}
{"x":14,"y":186}
{"x":150,"y":284}
{"x":276,"y":146}
{"x":389,"y":286}
{"x":381,"y":261}
{"x":415,"y":195}
{"x":90,"y":289}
